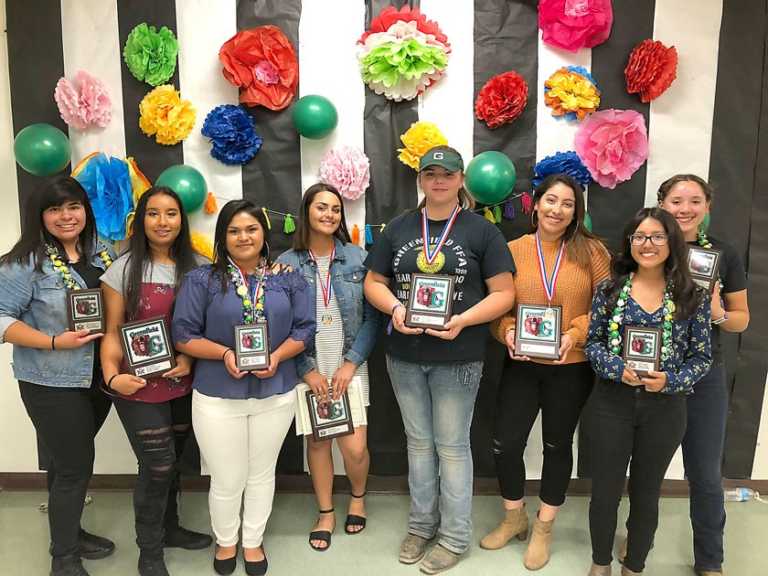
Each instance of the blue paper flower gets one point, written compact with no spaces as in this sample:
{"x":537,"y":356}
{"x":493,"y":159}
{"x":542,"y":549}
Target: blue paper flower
{"x":108,"y":185}
{"x":232,"y":134}
{"x":562,"y":163}
{"x":584,"y":72}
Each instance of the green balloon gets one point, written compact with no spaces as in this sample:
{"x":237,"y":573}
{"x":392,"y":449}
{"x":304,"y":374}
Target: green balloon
{"x":490,"y":177}
{"x":314,"y":116}
{"x":187,"y":182}
{"x":42,"y":149}
{"x":587,"y":221}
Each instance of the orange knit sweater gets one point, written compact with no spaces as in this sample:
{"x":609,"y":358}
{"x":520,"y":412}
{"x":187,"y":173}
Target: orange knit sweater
{"x":574,"y":290}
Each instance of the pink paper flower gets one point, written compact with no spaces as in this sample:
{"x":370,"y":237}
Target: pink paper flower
{"x":84,"y":102}
{"x":612,"y":144}
{"x":347,"y":169}
{"x":574,"y":24}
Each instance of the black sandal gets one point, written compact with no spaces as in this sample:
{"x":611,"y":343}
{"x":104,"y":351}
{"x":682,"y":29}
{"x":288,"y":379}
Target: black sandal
{"x":322,"y":535}
{"x":353,"y":520}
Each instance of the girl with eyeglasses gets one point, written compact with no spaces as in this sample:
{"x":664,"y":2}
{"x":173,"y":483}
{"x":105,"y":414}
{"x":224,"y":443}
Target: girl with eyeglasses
{"x":639,"y":420}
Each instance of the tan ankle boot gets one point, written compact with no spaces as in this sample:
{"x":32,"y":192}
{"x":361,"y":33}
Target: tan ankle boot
{"x":627,"y":572}
{"x":537,"y":555}
{"x":514,"y":525}
{"x":597,"y":570}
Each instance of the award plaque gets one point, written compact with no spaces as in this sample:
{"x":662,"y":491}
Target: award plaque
{"x":704,"y":264}
{"x":537,"y":333}
{"x":329,"y":419}
{"x":430,"y":301}
{"x":147,"y":348}
{"x":642,"y":349}
{"x":251,"y":347}
{"x":85,"y":310}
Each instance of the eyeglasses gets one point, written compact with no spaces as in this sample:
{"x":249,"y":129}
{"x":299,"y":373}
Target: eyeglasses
{"x":656,"y":239}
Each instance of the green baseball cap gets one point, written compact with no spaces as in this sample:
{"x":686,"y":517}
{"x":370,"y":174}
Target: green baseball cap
{"x":442,"y":156}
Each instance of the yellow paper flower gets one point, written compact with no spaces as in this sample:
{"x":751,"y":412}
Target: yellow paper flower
{"x":202,"y":245}
{"x":419,"y":138}
{"x":166,"y":116}
{"x":571,"y":94}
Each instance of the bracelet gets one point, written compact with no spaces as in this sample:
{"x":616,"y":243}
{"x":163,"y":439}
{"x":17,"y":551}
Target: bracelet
{"x":722,"y":318}
{"x":225,"y":353}
{"x":109,"y":382}
{"x":53,"y":342}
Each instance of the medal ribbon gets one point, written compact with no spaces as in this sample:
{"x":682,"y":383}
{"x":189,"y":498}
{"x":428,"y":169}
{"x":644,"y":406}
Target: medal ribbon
{"x":549,"y":283}
{"x":325,"y":285}
{"x":430,"y":255}
{"x":256,"y":293}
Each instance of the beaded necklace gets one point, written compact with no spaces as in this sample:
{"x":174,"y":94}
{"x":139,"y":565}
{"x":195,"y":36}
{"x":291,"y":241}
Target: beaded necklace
{"x":251,"y":312}
{"x":63,"y":267}
{"x":614,"y":335}
{"x":702,"y":240}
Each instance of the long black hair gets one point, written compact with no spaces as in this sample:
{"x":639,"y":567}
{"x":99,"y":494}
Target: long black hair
{"x":686,"y":295}
{"x":54,"y":192}
{"x":301,"y":238}
{"x":220,"y":254}
{"x":140,"y":254}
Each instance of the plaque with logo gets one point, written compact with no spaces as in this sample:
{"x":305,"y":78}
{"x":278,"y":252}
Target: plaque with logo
{"x":430,"y":302}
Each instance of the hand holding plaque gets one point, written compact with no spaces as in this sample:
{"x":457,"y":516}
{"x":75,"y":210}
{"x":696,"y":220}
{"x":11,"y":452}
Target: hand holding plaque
{"x":252,"y":347}
{"x":85,"y":310}
{"x":537,"y":333}
{"x":147,"y":348}
{"x":430,"y":302}
{"x":642,"y":349}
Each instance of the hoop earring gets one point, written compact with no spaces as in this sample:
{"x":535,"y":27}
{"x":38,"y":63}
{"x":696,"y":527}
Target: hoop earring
{"x":266,"y":245}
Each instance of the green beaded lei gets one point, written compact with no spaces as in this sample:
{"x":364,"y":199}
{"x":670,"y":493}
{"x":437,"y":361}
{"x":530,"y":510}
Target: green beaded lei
{"x":63,"y":268}
{"x":252,"y":312}
{"x":702,"y":240}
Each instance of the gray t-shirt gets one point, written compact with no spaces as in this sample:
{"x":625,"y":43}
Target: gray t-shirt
{"x":156,"y":273}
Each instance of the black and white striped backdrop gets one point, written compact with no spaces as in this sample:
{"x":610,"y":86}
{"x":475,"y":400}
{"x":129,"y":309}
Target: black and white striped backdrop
{"x":710,"y":122}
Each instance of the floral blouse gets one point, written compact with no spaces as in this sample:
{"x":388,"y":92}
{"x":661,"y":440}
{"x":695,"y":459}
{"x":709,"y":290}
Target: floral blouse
{"x":691,"y":356}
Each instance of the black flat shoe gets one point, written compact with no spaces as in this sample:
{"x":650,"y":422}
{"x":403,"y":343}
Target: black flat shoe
{"x":256,"y":568}
{"x":353,"y":520}
{"x":152,"y":563}
{"x":92,"y":547}
{"x":226,"y":566}
{"x":178,"y":537}
{"x":322,"y":535}
{"x":70,"y":565}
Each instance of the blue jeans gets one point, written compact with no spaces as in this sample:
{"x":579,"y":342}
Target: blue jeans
{"x":437,"y":402}
{"x":703,"y":455}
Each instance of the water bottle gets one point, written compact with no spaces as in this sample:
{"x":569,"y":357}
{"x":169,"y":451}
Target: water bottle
{"x":740,"y":494}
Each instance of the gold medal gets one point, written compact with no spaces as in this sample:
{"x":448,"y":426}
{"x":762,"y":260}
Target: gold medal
{"x":426,"y":267}
{"x":327,"y":319}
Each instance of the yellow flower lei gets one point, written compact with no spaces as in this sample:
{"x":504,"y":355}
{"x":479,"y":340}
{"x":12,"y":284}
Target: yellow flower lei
{"x":63,"y":268}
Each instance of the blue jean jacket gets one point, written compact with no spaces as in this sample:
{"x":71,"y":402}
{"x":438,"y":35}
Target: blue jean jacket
{"x":360,"y":320}
{"x":39,"y":300}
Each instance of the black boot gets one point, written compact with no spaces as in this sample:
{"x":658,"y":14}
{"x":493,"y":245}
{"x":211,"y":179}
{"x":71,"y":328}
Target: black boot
{"x":175,"y":535}
{"x":70,"y":565}
{"x":94,"y":547}
{"x":152,"y":563}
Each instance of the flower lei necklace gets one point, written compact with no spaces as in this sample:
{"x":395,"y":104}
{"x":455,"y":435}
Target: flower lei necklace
{"x":63,"y":267}
{"x":251,"y":312}
{"x":702,"y":240}
{"x":614,"y":336}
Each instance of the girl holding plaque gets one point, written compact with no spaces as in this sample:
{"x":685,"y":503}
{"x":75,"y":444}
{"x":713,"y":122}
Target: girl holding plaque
{"x":241,"y":417}
{"x":559,"y":267}
{"x":689,"y":199}
{"x":436,"y":373}
{"x":347,"y":327}
{"x":58,"y":369}
{"x":642,"y":419}
{"x":155,"y":412}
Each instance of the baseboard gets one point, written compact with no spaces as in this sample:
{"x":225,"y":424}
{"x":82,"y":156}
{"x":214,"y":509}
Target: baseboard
{"x":301,"y":483}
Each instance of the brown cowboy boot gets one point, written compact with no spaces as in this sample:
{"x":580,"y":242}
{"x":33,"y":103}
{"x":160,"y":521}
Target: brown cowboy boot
{"x":537,"y":554}
{"x":514,"y":525}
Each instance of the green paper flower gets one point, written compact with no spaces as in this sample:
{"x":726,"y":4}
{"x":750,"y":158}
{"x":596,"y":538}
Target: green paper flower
{"x":402,"y":69}
{"x":151,"y":55}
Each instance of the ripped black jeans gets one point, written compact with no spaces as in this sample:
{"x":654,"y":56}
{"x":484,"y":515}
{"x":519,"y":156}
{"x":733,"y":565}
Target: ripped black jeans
{"x":157,"y":433}
{"x":560,"y":392}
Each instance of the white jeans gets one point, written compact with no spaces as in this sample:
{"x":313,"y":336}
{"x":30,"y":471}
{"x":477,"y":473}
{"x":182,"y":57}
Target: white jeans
{"x":240,"y":441}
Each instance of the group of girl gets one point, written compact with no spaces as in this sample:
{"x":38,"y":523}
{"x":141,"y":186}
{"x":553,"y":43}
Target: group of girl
{"x":324,"y":303}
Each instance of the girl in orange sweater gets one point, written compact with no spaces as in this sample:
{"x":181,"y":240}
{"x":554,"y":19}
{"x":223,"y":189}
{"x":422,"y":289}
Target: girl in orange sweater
{"x":559,"y":264}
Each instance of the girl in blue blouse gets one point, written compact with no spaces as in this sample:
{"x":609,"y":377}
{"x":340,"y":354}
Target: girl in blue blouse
{"x":241,"y":418}
{"x":637,"y":418}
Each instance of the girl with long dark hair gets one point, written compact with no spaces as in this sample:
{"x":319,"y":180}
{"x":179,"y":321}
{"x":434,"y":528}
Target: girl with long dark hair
{"x":560,"y":264}
{"x":58,"y":369}
{"x":156,"y":412}
{"x":347,"y":328}
{"x":640,"y":420}
{"x":241,"y":417}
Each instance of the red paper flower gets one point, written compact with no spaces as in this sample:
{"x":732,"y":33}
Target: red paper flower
{"x":651,"y":69}
{"x":262,"y":63}
{"x":390,"y":15}
{"x":502,"y":99}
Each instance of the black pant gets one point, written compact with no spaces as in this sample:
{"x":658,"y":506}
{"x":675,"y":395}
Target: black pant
{"x":157,"y":433}
{"x":66,"y":420}
{"x":630,"y":423}
{"x":560,"y":392}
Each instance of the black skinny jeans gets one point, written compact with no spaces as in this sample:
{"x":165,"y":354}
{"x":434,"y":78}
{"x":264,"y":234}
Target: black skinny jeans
{"x":157,"y":433}
{"x":646,"y":428}
{"x":67,"y":420}
{"x":560,"y":392}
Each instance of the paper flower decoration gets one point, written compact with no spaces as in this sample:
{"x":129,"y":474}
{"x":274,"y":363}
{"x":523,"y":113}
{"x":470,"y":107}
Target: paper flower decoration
{"x":402,"y":53}
{"x":232,"y":134}
{"x":151,"y":54}
{"x":347,"y":169}
{"x":612,"y":144}
{"x":571,"y":93}
{"x":84,"y":102}
{"x":502,"y":99}
{"x":202,"y":244}
{"x":166,"y":116}
{"x":262,"y":63}
{"x":419,"y":138}
{"x":651,"y":69}
{"x":574,"y":24}
{"x":561,"y":163}
{"x":107,"y":182}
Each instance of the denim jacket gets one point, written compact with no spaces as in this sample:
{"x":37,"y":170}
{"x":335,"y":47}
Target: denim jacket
{"x":39,"y":300}
{"x":360,"y":320}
